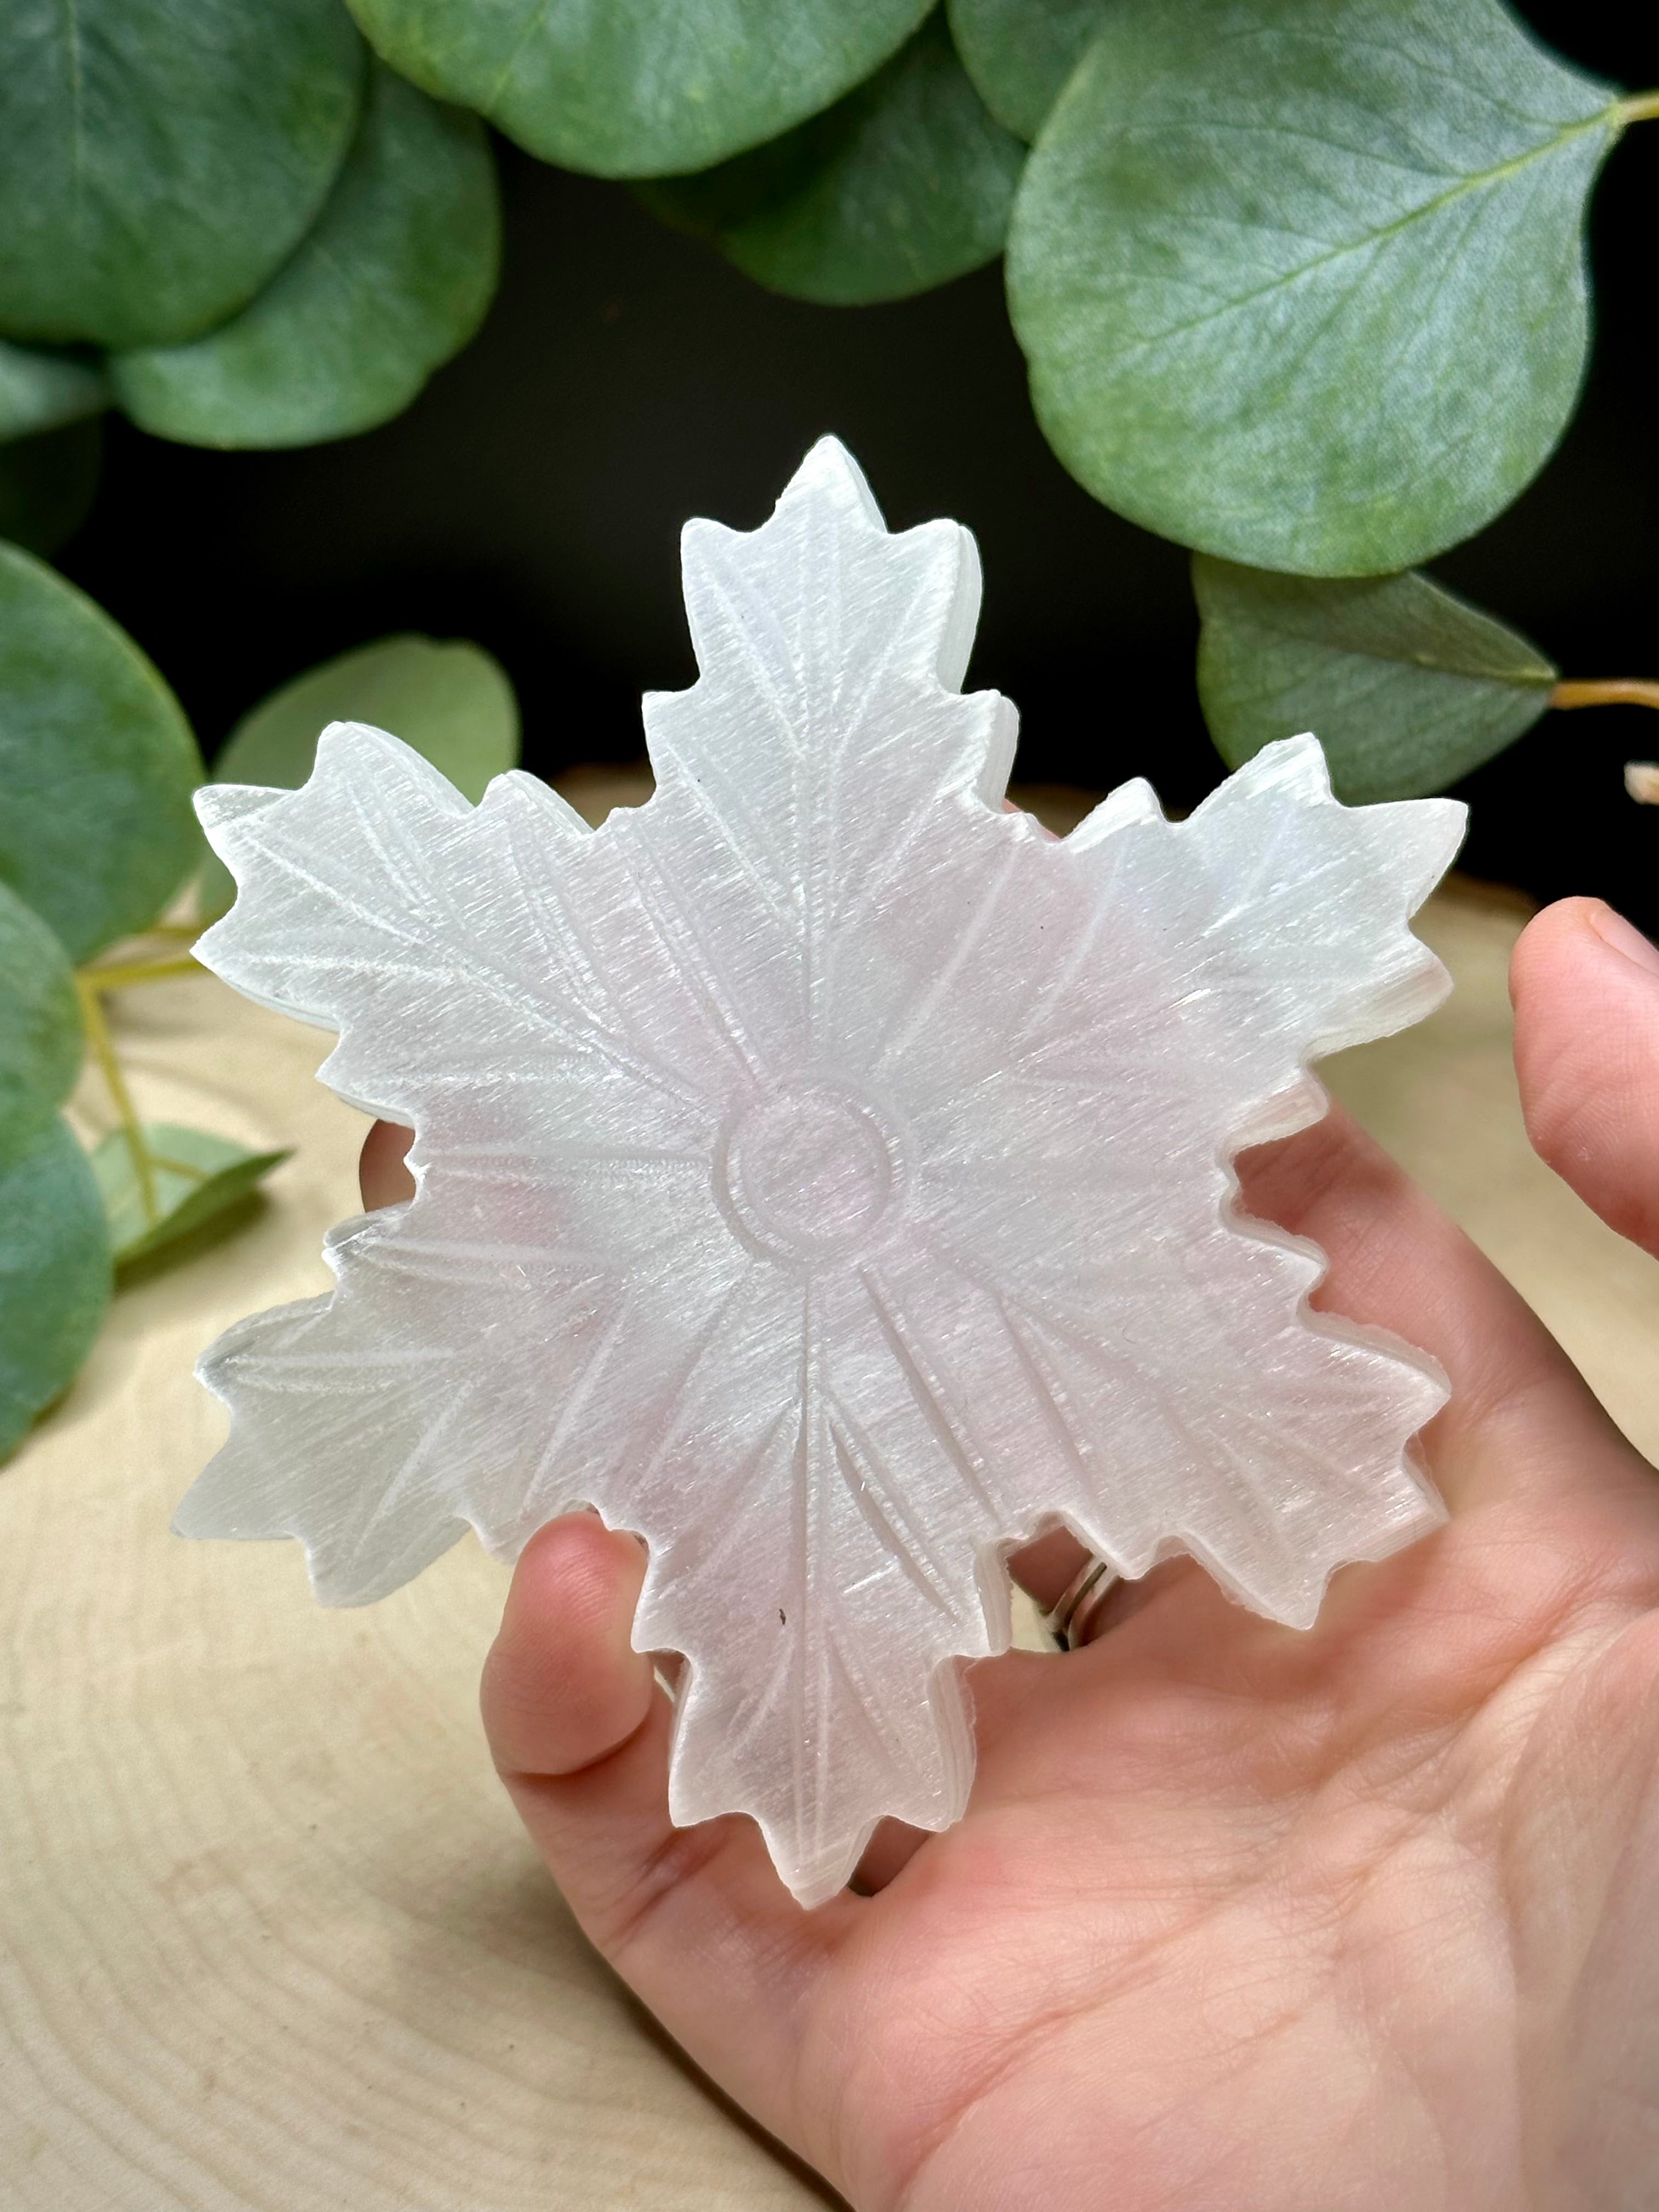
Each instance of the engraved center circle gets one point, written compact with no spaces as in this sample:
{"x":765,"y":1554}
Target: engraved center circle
{"x":808,"y":1171}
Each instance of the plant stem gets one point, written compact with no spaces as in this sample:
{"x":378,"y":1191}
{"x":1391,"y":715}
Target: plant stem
{"x":119,"y":973}
{"x":1640,"y":107}
{"x":185,"y":1168}
{"x":1612,"y":691}
{"x":103,"y":1051}
{"x":90,"y":984}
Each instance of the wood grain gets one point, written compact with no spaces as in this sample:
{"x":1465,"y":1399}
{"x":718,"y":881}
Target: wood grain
{"x":269,"y":1935}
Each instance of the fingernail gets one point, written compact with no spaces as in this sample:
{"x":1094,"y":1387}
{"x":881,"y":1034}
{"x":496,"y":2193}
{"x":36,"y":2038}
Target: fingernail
{"x":1613,"y":929}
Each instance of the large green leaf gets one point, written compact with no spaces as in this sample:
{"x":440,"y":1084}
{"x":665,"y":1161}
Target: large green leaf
{"x":1302,"y":281}
{"x":54,"y":1271}
{"x":392,"y":280}
{"x":40,"y":388}
{"x":48,"y":483}
{"x":452,"y":701}
{"x":40,"y":1034}
{"x":639,"y":87}
{"x":901,"y":185}
{"x":159,"y":159}
{"x":1020,"y":52}
{"x":192,"y":1176}
{"x":97,"y":764}
{"x":1406,"y":687}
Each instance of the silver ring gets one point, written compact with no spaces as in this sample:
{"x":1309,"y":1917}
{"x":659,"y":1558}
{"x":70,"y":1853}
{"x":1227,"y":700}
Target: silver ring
{"x":1068,"y":1619}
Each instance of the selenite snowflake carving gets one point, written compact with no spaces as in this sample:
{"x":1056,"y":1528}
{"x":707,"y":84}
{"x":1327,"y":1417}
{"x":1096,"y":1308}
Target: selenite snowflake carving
{"x":823,"y":1174}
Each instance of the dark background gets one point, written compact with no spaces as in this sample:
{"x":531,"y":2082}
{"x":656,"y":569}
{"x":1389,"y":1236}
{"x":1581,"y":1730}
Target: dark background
{"x":628,"y":378}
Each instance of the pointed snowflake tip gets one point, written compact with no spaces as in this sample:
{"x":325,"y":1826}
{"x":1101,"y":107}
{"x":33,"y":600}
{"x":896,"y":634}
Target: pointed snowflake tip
{"x":822,"y":1176}
{"x":832,"y":479}
{"x":829,"y":471}
{"x":219,"y":804}
{"x":1296,"y":765}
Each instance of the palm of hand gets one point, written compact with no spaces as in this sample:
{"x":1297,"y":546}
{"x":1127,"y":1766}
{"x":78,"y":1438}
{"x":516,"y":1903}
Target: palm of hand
{"x":1240,"y":1920}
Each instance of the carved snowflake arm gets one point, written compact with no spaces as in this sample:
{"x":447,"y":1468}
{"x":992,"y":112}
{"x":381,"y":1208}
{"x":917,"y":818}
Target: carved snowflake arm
{"x":819,"y":1600}
{"x":826,"y":728}
{"x":1273,"y":925}
{"x":376,"y":902}
{"x":475,"y":1364}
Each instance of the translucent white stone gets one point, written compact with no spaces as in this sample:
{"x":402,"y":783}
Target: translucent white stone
{"x":824,"y":1174}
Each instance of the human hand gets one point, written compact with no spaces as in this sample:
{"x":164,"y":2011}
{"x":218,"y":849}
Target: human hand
{"x":1240,"y":1919}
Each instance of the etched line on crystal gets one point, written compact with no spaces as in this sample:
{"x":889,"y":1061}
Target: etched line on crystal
{"x":662,"y":1438}
{"x":930,"y":1393}
{"x":692,"y":788}
{"x":743,"y":1489}
{"x":893,"y":1528}
{"x":979,"y":921}
{"x":540,"y":1487}
{"x":554,"y":917}
{"x":419,"y":1456}
{"x":680,"y":939}
{"x":1049,"y":1392}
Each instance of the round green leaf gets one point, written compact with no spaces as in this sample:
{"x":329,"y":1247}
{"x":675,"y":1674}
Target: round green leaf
{"x":901,"y":185}
{"x":1406,"y":687}
{"x":1020,"y":52}
{"x":452,"y":701}
{"x":47,"y":484}
{"x":97,"y":765}
{"x":159,"y":159}
{"x":394,"y":278}
{"x":193,"y":1177}
{"x":40,"y":1034}
{"x":1302,"y":281}
{"x":54,"y":1271}
{"x":39,"y":389}
{"x":639,"y":87}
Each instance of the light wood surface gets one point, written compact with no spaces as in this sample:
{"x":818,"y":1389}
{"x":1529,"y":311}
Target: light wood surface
{"x":269,"y":1936}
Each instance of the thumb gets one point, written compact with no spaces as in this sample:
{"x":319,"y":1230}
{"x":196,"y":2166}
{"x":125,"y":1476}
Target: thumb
{"x":1585,"y":986}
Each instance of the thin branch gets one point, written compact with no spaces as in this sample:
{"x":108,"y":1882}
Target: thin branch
{"x":103,"y":1051}
{"x":1611,"y":691}
{"x":117,"y":976}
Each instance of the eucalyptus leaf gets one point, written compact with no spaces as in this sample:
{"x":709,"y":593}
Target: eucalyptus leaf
{"x":1406,"y":687}
{"x":450,"y":700}
{"x":161,"y":159}
{"x":639,"y":87}
{"x":192,"y":1176}
{"x":393,"y":279}
{"x":1301,"y":282}
{"x":55,"y":1273}
{"x":97,"y":765}
{"x":41,"y":388}
{"x":901,"y":185}
{"x":1020,"y":52}
{"x":48,"y":484}
{"x":40,"y":1033}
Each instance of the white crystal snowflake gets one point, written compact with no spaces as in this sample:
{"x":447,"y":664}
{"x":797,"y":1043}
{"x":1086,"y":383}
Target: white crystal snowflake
{"x":824,"y":1174}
